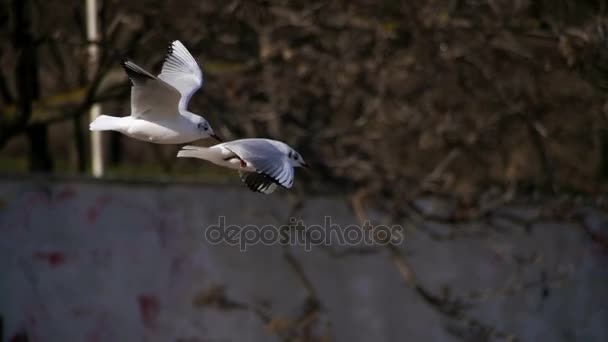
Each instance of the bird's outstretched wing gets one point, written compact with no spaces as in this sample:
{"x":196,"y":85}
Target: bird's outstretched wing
{"x":150,"y":96}
{"x":266,"y":159}
{"x":258,"y":182}
{"x":181,"y":71}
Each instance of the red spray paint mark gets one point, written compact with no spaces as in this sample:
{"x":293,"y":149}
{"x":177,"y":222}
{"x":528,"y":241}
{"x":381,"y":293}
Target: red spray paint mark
{"x":597,"y":237}
{"x":498,"y":257}
{"x":97,"y":332}
{"x":34,"y":314}
{"x":33,"y":328}
{"x":94,"y":336}
{"x":96,"y":208}
{"x":54,"y":259}
{"x":34,"y":199}
{"x":20,"y":336}
{"x":149,"y":307}
{"x":142,"y":209}
{"x":65,"y":194}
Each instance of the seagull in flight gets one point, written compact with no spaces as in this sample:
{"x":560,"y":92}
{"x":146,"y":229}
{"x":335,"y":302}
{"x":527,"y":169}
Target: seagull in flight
{"x":263,"y":164}
{"x":159,"y":104}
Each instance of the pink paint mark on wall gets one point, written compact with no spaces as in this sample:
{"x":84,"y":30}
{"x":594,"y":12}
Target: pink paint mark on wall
{"x":96,"y":334}
{"x":31,"y":201}
{"x":34,"y":199}
{"x":498,"y":258}
{"x":20,"y":336}
{"x":597,"y":235}
{"x":149,"y":307}
{"x":152,"y":213}
{"x":32,"y":326}
{"x":93,"y":212}
{"x":65,"y":194}
{"x":52,"y":258}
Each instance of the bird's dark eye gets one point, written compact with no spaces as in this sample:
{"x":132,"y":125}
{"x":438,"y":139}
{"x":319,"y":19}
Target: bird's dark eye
{"x":202,"y":125}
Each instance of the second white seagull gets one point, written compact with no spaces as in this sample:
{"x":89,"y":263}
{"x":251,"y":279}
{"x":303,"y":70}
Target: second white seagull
{"x":159,"y":105}
{"x":262,"y":163}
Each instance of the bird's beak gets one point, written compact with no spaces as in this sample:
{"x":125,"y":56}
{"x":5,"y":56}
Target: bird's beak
{"x":214,"y":136}
{"x":305,"y":166}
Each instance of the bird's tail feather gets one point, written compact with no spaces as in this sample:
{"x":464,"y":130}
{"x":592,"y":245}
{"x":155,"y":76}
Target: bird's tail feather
{"x":106,"y":123}
{"x":193,"y":152}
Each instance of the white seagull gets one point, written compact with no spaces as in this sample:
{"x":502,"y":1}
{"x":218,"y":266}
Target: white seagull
{"x":262,"y":163}
{"x":159,"y":111}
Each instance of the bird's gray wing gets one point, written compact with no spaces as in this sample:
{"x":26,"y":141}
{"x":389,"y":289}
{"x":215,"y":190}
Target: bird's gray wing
{"x":182,"y":72}
{"x":150,"y":96}
{"x":265,"y":158}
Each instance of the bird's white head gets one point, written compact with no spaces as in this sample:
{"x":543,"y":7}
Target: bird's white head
{"x":205,"y":129}
{"x":296,"y":159}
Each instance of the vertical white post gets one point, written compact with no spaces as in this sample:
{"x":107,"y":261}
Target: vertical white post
{"x":97,"y":166}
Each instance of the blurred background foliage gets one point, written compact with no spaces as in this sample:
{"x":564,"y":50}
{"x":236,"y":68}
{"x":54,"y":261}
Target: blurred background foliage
{"x":399,"y":98}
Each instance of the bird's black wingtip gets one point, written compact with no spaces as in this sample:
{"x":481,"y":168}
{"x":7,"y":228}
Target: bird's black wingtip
{"x":127,"y":64}
{"x":135,"y":72}
{"x":170,"y":49}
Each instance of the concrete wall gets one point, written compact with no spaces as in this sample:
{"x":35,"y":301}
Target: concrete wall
{"x":101,"y":261}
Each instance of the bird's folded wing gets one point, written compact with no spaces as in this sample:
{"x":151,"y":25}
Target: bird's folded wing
{"x":149,"y":95}
{"x":182,"y":72}
{"x":265,"y":158}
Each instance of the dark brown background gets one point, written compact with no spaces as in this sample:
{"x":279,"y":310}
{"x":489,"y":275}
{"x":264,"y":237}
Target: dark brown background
{"x":394,"y":97}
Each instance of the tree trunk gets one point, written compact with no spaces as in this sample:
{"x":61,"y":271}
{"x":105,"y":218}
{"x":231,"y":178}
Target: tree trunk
{"x":39,"y":156}
{"x":28,"y":85}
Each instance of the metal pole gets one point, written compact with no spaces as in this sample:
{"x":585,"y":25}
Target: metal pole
{"x":97,"y":166}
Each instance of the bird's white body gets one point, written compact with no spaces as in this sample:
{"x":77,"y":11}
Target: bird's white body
{"x":159,"y":103}
{"x":262,"y":163}
{"x":175,"y":129}
{"x":219,"y":155}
